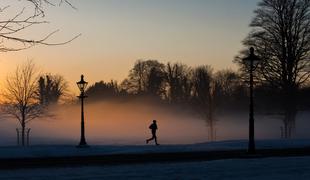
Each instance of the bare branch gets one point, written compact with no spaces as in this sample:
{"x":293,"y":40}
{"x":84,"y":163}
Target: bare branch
{"x":10,"y":28}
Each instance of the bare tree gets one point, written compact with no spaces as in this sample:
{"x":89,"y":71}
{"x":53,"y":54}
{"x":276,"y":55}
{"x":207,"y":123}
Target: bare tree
{"x":204,"y":96}
{"x":17,"y":16}
{"x":281,"y":37}
{"x":139,"y":76}
{"x":20,"y":98}
{"x":155,"y":85}
{"x":179,"y":85}
{"x":226,"y":83}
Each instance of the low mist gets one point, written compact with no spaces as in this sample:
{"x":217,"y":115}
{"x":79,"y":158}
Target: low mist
{"x":113,"y":122}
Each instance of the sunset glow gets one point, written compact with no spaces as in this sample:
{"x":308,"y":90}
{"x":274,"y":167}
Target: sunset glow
{"x":116,"y":33}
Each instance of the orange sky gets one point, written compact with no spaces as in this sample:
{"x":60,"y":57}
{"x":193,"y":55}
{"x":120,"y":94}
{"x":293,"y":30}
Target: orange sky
{"x":116,"y":33}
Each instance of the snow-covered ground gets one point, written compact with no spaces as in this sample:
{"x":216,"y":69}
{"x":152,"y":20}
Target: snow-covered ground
{"x":284,"y":168}
{"x":71,"y":150}
{"x":237,"y":169}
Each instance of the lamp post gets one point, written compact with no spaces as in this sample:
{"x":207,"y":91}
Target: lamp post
{"x":251,"y":61}
{"x":82,"y":86}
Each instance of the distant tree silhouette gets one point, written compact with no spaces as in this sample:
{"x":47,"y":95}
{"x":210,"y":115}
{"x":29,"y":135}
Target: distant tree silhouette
{"x":139,"y":76}
{"x":229,"y":90}
{"x":103,"y":90}
{"x":20,"y":98}
{"x":204,"y":96}
{"x":179,"y":84}
{"x":156,"y":79}
{"x":281,"y":38}
{"x":17,"y":16}
{"x":51,"y":88}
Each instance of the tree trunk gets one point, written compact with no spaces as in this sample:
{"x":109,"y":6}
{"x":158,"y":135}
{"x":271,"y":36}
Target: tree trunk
{"x":23,"y":133}
{"x":23,"y":127}
{"x":290,"y":111}
{"x":210,"y":118}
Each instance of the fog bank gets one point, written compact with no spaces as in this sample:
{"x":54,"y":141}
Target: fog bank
{"x":127,"y":123}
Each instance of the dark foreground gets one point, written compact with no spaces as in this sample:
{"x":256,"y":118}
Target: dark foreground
{"x":120,"y":159}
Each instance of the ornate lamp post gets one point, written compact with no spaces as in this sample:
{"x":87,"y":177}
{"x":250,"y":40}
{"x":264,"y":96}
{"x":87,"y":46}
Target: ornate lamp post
{"x":82,"y":86}
{"x":251,"y":61}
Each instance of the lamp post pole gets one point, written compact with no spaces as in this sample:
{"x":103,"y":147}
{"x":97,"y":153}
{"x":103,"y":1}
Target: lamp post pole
{"x":82,"y":141}
{"x":251,"y":61}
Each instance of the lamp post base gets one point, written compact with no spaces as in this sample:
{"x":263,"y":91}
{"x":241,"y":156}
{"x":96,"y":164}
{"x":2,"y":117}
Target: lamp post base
{"x":82,"y":146}
{"x":252,"y":152}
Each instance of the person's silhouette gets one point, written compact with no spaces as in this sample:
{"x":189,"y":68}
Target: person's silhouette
{"x":153,"y":128}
